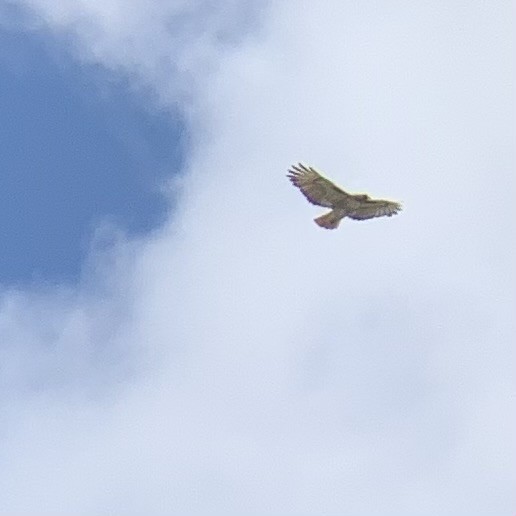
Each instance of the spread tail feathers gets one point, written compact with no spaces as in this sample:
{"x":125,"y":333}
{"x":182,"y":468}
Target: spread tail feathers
{"x":330,"y":220}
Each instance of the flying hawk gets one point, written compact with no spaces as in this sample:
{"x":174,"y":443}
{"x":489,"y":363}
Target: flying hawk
{"x":322,"y":192}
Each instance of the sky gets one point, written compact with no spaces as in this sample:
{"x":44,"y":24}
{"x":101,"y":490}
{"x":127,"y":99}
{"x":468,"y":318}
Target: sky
{"x":79,"y":151}
{"x":178,"y":337}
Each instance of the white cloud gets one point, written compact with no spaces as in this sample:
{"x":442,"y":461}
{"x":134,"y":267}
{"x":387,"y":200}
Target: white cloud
{"x":242,"y":361}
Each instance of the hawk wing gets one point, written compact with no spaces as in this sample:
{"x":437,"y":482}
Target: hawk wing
{"x":371,"y":208}
{"x":319,"y":190}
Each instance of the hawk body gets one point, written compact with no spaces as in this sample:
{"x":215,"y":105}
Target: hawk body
{"x":322,"y":192}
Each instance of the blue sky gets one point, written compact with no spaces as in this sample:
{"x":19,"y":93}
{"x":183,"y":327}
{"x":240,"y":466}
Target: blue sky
{"x":178,"y":337}
{"x":78,"y":149}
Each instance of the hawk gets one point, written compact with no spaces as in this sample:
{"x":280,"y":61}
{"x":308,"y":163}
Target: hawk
{"x":322,"y":192}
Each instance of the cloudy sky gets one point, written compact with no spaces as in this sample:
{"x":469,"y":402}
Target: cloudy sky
{"x":178,"y":337}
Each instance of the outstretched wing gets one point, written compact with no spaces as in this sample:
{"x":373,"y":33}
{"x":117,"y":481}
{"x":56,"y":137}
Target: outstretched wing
{"x":371,"y":208}
{"x":317,"y":189}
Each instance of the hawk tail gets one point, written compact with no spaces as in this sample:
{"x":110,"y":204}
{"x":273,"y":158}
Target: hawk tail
{"x":329,"y":220}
